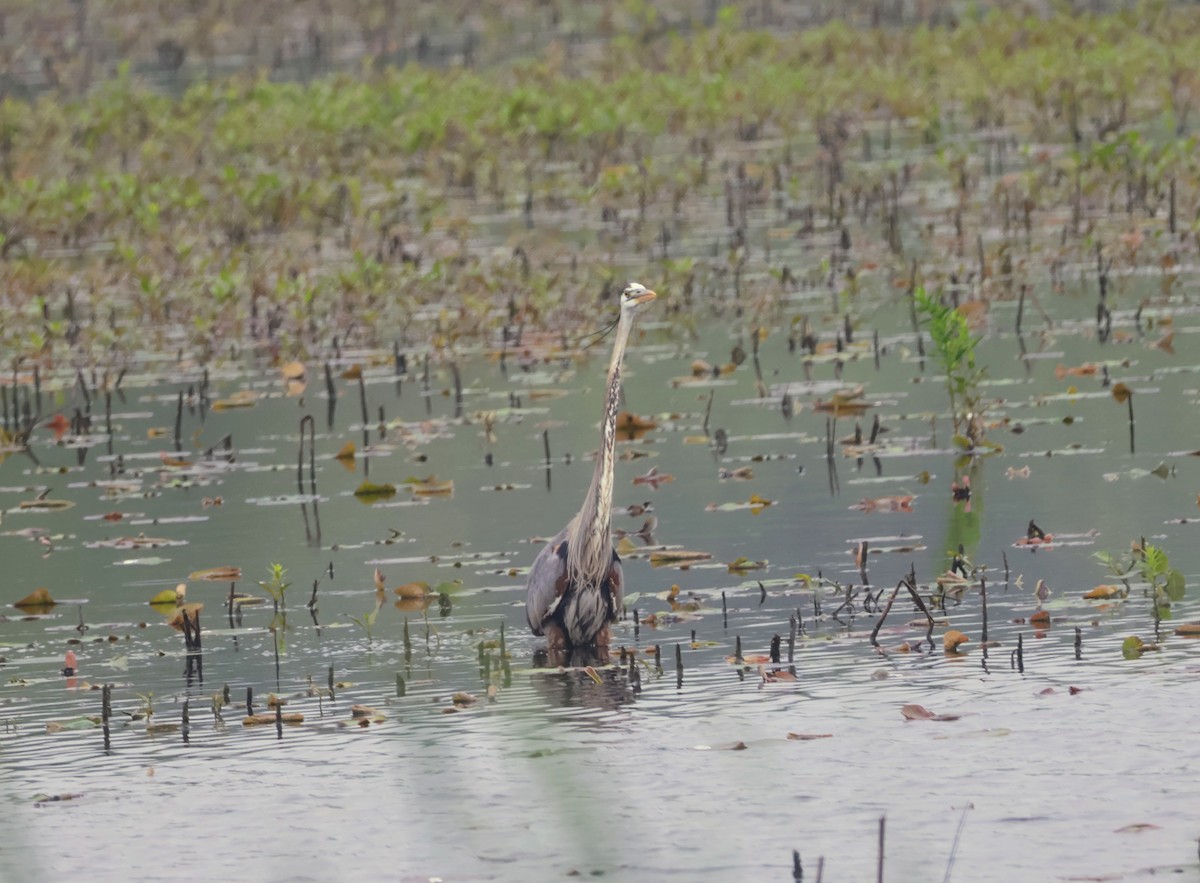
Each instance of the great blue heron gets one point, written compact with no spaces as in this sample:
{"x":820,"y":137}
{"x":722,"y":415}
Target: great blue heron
{"x":576,"y":583}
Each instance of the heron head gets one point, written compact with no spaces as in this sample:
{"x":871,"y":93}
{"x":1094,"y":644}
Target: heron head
{"x":634,"y":295}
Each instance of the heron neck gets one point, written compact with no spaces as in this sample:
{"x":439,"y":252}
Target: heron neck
{"x":595,"y":518}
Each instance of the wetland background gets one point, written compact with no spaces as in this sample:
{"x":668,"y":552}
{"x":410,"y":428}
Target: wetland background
{"x":233,"y":243}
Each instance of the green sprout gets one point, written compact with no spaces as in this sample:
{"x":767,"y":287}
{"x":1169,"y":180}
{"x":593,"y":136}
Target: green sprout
{"x":276,"y":586}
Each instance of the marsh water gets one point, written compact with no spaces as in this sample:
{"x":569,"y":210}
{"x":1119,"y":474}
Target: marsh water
{"x":1072,"y":762}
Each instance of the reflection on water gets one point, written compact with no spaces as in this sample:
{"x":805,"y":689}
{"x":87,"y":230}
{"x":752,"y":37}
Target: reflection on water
{"x":605,"y":689}
{"x":478,"y":758}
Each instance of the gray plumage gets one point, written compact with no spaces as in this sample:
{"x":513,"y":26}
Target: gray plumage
{"x":576,"y":583}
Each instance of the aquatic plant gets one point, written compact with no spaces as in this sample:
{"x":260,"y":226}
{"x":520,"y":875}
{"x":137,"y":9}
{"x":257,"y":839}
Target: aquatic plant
{"x":1165,"y":584}
{"x":276,"y":586}
{"x":954,"y":345}
{"x":367,"y":621}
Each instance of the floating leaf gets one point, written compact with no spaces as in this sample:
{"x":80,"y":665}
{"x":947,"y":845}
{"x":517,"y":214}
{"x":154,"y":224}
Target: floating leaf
{"x":677,"y":556}
{"x":166,"y":596}
{"x":58,"y":424}
{"x":921,"y":713}
{"x":952,"y":639}
{"x":36,"y":598}
{"x":191,"y":611}
{"x":346,"y":453}
{"x":412,"y":590}
{"x":1188,"y":629}
{"x":1040,"y":618}
{"x":630,"y":426}
{"x":262,"y":720}
{"x":886,"y":504}
{"x":1133,"y":647}
{"x":354,"y":372}
{"x":45,"y":505}
{"x":243,"y":398}
{"x":225,"y":573}
{"x":1100,"y":593}
{"x":755,"y":504}
{"x":292,"y":370}
{"x":848,"y":401}
{"x":369,"y":490}
{"x":430,"y":486}
{"x":808,"y":737}
{"x":74,"y":723}
{"x":745,"y":565}
{"x":654,"y":478}
{"x":1121,"y":393}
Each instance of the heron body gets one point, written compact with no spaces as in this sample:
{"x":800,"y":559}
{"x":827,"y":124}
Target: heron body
{"x":576,"y":583}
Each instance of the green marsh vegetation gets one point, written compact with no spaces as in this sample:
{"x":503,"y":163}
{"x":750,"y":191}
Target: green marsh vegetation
{"x":361,"y":205}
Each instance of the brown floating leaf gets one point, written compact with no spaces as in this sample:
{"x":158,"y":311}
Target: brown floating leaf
{"x":886,"y":504}
{"x":346,"y":452}
{"x":749,"y":659}
{"x":430,"y":486}
{"x":952,"y":639}
{"x":59,"y":424}
{"x":191,"y":611}
{"x":292,"y":371}
{"x":677,"y":556}
{"x":354,"y":372}
{"x":36,"y":598}
{"x":45,"y":505}
{"x":262,"y":720}
{"x":243,"y":398}
{"x":1137,"y":828}
{"x":921,"y":713}
{"x":463,"y":699}
{"x":631,"y":426}
{"x":361,"y":711}
{"x":808,"y":737}
{"x":1102,"y":592}
{"x":412,"y":590}
{"x":654,"y":478}
{"x":225,"y":573}
{"x":848,"y":401}
{"x":1188,"y":629}
{"x":1040,"y":618}
{"x":1121,"y":393}
{"x":1088,"y":369}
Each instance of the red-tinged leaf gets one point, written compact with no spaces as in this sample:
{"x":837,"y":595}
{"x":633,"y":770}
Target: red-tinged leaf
{"x":921,"y":713}
{"x":808,"y":737}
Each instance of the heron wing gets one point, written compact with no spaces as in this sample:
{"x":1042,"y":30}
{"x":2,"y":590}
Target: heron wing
{"x":547,"y":582}
{"x":616,"y":583}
